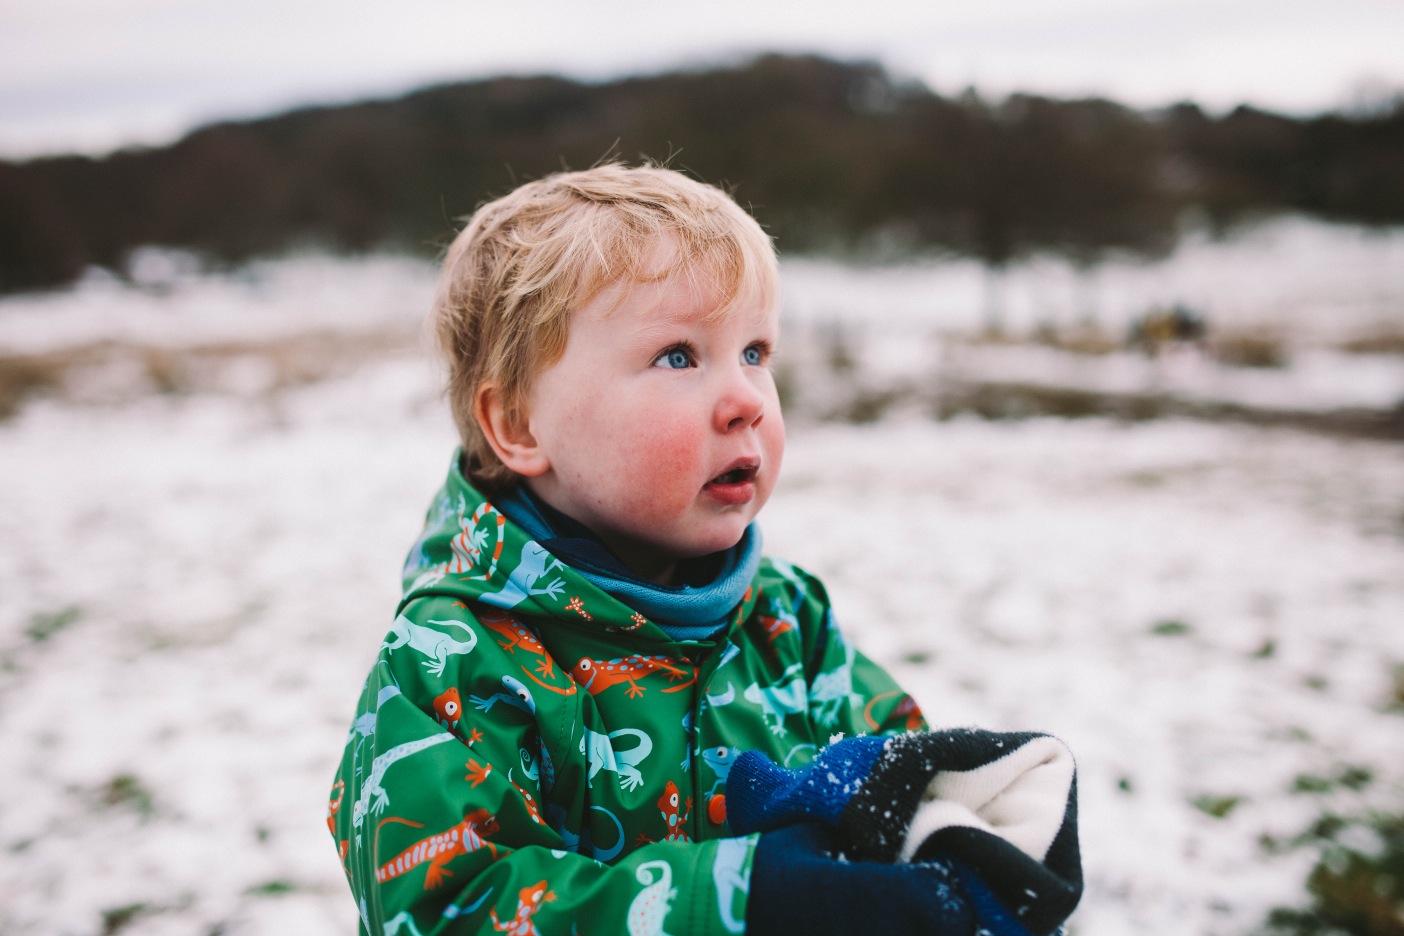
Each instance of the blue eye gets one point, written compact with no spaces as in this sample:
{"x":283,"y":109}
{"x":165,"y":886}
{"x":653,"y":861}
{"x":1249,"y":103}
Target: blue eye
{"x":676,"y":358}
{"x":751,"y":355}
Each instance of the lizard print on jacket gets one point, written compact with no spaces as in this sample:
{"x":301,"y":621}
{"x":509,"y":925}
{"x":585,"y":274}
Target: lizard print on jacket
{"x":440,"y":848}
{"x":595,"y":676}
{"x":499,"y":645}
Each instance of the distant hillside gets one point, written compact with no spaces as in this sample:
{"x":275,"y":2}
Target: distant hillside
{"x":830,"y":156}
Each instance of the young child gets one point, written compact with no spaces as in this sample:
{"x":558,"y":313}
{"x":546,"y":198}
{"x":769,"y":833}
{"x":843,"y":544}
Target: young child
{"x":551,"y":738}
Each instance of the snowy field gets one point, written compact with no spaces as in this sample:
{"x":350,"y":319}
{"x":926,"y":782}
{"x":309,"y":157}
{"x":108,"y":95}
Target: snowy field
{"x":196,"y":570}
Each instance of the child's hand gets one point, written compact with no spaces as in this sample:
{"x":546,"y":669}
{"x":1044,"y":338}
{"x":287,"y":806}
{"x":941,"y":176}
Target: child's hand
{"x":801,"y":882}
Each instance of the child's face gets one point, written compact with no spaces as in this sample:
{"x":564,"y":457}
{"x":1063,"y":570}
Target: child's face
{"x":661,"y":431}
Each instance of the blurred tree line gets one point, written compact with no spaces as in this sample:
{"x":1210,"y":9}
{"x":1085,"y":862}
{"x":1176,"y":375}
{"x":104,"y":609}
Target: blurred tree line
{"x":830,"y":156}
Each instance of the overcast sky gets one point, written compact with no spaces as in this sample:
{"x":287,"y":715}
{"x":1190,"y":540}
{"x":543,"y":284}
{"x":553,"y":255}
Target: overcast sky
{"x":94,"y":74}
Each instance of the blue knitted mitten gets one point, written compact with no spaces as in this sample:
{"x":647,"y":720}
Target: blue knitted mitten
{"x":761,"y":795}
{"x":999,"y":808}
{"x":798,"y":885}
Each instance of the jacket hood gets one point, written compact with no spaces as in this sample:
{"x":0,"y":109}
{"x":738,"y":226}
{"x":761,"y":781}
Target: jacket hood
{"x":472,"y":552}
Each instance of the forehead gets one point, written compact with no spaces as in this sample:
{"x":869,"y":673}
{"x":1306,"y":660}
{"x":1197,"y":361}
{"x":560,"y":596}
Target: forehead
{"x":681,"y":299}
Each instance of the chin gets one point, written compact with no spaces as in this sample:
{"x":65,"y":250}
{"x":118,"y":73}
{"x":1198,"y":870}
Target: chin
{"x":717,"y":543}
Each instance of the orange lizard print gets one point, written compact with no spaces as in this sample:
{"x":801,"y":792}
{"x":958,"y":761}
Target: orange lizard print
{"x":636,"y":620}
{"x":529,"y":900}
{"x":907,"y":707}
{"x":531,"y":809}
{"x":339,"y":788}
{"x":448,"y":707}
{"x":439,"y":849}
{"x":668,"y":806}
{"x":342,"y":845}
{"x":517,"y":634}
{"x":773,"y":627}
{"x":467,"y":546}
{"x":779,"y":621}
{"x":912,"y":711}
{"x":477,"y":772}
{"x":595,"y":676}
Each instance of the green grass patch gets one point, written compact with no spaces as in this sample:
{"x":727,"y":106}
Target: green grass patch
{"x":127,"y":790}
{"x":1356,"y":887}
{"x":44,"y":625}
{"x":1170,"y":628}
{"x":1217,"y":806}
{"x":1311,"y":783}
{"x":272,"y":888}
{"x":115,"y":919}
{"x":1346,"y":776}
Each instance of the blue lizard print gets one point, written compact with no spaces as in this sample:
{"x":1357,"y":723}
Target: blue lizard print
{"x":535,"y":563}
{"x":720,"y":759}
{"x":517,"y":696}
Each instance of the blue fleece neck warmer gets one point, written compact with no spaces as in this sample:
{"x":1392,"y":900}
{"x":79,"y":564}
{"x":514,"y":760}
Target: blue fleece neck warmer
{"x":712,"y":586}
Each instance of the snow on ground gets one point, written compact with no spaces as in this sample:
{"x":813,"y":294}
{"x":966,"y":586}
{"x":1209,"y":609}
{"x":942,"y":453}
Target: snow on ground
{"x":1199,"y":611}
{"x":1317,"y":282}
{"x":193,"y":584}
{"x":171,"y":303}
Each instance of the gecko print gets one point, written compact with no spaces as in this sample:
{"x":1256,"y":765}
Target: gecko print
{"x":433,"y":643}
{"x":731,"y":872}
{"x":474,"y":550}
{"x":471,"y":548}
{"x":775,"y":624}
{"x":600,"y":754}
{"x":674,"y":814}
{"x":905,"y":712}
{"x":529,"y":901}
{"x":595,"y":676}
{"x":439,"y":849}
{"x":530,"y":579}
{"x":448,"y":707}
{"x":527,"y":751}
{"x":720,"y":759}
{"x":831,"y":692}
{"x":779,"y":700}
{"x":651,"y":906}
{"x":514,"y":634}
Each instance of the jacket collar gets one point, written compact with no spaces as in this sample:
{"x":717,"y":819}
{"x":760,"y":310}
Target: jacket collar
{"x":475,"y":550}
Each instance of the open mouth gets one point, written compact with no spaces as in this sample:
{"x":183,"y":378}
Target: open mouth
{"x":738,"y":475}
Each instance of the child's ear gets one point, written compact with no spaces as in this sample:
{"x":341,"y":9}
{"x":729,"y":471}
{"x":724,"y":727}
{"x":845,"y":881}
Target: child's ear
{"x":510,"y":438}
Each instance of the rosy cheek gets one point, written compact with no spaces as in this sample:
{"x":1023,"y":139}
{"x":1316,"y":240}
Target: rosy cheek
{"x":773,"y":431}
{"x":667,"y":460}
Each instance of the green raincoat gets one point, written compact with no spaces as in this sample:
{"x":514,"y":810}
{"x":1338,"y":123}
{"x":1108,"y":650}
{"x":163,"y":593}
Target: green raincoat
{"x":529,"y":755}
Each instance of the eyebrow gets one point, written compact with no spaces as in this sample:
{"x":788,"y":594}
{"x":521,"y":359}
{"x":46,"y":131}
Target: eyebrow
{"x":655,"y":332}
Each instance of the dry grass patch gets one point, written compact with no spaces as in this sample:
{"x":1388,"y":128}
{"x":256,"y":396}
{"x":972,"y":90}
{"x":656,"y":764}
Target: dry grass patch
{"x":1259,"y":348}
{"x":1381,"y":341}
{"x":106,"y":372}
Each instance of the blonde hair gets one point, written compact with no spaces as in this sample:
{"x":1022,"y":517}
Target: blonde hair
{"x":527,"y":260}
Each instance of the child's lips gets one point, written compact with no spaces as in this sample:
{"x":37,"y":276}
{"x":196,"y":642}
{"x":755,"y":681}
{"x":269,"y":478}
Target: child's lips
{"x":735,"y":485}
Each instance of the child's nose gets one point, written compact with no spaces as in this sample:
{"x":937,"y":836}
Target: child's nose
{"x":741,"y":404}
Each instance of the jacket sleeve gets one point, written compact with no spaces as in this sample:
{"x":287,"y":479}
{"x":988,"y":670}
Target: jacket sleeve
{"x":447,"y":818}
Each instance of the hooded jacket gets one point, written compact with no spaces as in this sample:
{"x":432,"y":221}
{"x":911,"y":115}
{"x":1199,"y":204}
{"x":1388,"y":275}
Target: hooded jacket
{"x":530,"y":755}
